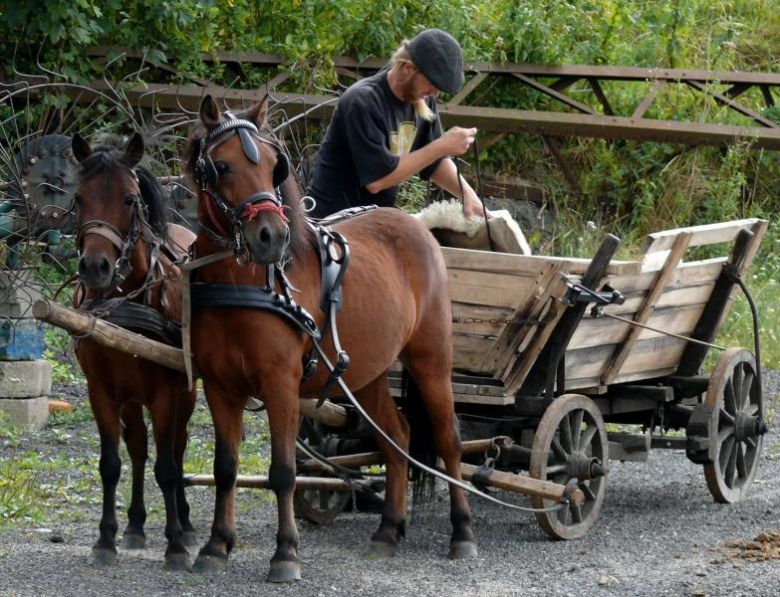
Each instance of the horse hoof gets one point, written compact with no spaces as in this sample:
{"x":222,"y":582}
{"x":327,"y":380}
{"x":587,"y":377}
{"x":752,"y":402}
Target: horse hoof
{"x":284,"y":571}
{"x":463,"y":550}
{"x":189,"y":538}
{"x":209,"y":565}
{"x":133,"y":541}
{"x":177,"y":562}
{"x":378,"y":550}
{"x":102,"y":557}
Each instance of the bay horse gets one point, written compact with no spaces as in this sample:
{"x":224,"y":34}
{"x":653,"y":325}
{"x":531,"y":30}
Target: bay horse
{"x":395,"y":303}
{"x":127,"y":269}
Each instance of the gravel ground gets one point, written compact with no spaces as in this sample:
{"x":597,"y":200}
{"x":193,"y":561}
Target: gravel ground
{"x":660,"y":533}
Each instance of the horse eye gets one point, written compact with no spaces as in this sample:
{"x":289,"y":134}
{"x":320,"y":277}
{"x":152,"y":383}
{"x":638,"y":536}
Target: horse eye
{"x":222,"y":168}
{"x":130,"y":199}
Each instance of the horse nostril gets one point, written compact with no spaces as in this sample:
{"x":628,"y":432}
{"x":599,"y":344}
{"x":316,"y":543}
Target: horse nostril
{"x":265,"y":234}
{"x":104,"y":266}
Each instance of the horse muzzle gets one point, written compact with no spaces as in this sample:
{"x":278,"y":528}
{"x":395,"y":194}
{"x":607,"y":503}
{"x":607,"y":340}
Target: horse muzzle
{"x":96,"y":271}
{"x":264,"y":227}
{"x":267,"y":240}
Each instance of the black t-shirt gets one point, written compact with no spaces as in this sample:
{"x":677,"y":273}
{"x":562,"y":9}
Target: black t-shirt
{"x":371,"y":128}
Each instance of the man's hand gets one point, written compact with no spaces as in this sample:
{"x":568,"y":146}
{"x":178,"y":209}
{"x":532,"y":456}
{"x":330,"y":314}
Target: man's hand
{"x":456,"y":141}
{"x":474,"y":208}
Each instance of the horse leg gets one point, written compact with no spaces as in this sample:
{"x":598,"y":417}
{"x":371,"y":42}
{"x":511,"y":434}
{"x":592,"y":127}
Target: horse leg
{"x":381,"y":407}
{"x":283,"y":422}
{"x":167,"y":474}
{"x":227,"y":415}
{"x":107,"y":419}
{"x":185,"y":406}
{"x":136,"y":439}
{"x":430,"y":369}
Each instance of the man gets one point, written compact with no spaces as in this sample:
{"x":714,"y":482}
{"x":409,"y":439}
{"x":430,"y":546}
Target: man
{"x":386,"y":129}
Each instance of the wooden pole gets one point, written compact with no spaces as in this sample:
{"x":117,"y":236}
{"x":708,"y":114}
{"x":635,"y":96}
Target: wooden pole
{"x":261,"y":482}
{"x":355,"y":461}
{"x":112,"y":336}
{"x":524,"y":485}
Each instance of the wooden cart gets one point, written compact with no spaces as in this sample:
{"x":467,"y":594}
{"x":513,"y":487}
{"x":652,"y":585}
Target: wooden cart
{"x":550,"y":351}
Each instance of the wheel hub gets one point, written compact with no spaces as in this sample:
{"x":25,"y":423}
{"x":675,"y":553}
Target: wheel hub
{"x":749,"y":427}
{"x":584,"y":467}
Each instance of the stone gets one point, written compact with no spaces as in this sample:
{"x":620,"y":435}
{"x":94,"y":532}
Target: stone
{"x":25,"y":379}
{"x":29,"y":413}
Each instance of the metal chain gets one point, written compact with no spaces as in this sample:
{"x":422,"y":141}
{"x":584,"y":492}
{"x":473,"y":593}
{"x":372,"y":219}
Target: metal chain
{"x":496,"y":321}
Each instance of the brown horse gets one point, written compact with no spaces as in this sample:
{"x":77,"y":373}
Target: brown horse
{"x":128,"y":250}
{"x":395,"y":304}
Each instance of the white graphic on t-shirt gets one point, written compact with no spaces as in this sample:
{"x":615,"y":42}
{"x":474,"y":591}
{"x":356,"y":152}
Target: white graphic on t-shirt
{"x":401,"y":141}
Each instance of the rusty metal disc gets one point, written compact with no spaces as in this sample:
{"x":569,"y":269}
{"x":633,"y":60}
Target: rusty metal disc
{"x":738,"y":413}
{"x":571,"y":443}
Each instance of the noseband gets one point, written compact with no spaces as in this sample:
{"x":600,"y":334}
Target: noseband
{"x":207,"y":177}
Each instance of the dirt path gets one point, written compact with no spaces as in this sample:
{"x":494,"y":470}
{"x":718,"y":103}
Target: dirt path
{"x":660,"y":533}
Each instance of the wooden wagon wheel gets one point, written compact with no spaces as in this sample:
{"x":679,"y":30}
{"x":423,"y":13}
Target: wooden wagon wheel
{"x":737,"y":425}
{"x":571,"y":443}
{"x":319,"y":506}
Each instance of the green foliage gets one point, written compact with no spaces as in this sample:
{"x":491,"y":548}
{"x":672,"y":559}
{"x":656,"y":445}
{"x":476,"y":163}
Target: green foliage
{"x":18,"y":480}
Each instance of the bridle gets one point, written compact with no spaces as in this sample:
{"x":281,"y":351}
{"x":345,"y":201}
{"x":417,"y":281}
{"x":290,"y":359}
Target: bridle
{"x":125,"y":244}
{"x":207,"y":177}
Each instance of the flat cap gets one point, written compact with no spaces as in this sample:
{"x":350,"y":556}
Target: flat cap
{"x":438,"y":56}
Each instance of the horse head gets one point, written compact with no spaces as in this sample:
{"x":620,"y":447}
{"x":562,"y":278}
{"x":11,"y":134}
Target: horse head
{"x":116,"y":201}
{"x":239,"y":172}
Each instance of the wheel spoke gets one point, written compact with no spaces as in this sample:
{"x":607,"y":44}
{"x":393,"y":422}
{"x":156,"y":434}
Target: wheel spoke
{"x":725,"y":451}
{"x":556,"y":469}
{"x":752,"y":410}
{"x":587,"y":437}
{"x":729,"y":402}
{"x":565,"y":434}
{"x":741,"y":468}
{"x":587,"y":491}
{"x":736,"y":381}
{"x":576,"y":514}
{"x":560,"y":453}
{"x":751,"y":454}
{"x":726,"y":420}
{"x":576,"y":427}
{"x":744,"y":392}
{"x":724,"y":433}
{"x":731,"y":466}
{"x":563,"y":515}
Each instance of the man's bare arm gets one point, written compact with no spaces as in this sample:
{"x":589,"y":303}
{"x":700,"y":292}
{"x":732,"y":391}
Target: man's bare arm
{"x":455,"y":141}
{"x":446,"y":177}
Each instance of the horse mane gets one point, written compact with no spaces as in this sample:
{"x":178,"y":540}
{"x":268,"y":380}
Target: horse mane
{"x":108,"y":157}
{"x":301,"y":235}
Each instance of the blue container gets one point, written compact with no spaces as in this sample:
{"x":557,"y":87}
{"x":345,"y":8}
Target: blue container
{"x":21,"y":340}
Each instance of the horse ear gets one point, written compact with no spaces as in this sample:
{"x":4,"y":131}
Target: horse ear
{"x":134,"y":150}
{"x":256,"y":113}
{"x":209,"y":112}
{"x":81,"y":148}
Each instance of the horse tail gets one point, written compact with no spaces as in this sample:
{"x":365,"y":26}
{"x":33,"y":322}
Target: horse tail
{"x":422,"y":446}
